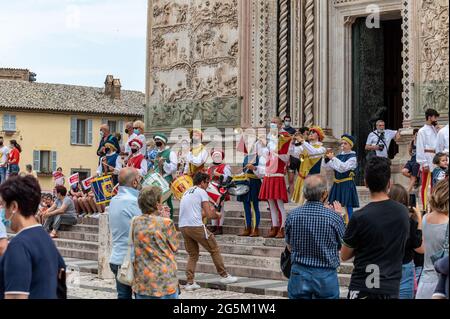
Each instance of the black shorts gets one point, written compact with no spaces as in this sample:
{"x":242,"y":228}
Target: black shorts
{"x":413,"y":167}
{"x":294,"y":164}
{"x":355,"y":294}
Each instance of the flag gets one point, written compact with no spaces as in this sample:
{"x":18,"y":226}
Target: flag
{"x":87,"y":183}
{"x":74,"y":179}
{"x":284,"y":143}
{"x":57,"y":174}
{"x":241,"y":147}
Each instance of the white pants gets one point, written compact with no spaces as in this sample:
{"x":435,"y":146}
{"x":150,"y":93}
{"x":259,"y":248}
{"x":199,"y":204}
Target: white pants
{"x":277,"y":209}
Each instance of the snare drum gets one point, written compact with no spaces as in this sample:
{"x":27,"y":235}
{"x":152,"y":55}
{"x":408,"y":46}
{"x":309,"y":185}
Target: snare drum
{"x":103,"y":189}
{"x":155,"y":179}
{"x":181,"y":185}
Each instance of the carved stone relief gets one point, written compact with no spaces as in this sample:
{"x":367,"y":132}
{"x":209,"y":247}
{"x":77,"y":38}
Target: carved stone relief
{"x":434,"y":55}
{"x":194,"y":52}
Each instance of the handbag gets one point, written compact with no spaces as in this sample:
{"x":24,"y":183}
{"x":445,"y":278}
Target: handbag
{"x":442,"y":253}
{"x":125,"y":275}
{"x":285,"y":262}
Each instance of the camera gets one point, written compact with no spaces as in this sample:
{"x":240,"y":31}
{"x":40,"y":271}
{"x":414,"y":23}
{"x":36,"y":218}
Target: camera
{"x":381,"y":147}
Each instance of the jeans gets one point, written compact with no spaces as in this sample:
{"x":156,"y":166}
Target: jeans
{"x":173,"y":296}
{"x":2,"y":174}
{"x":123,"y":291}
{"x":54,"y":222}
{"x":13,"y":169}
{"x":407,"y":282}
{"x":313,"y":283}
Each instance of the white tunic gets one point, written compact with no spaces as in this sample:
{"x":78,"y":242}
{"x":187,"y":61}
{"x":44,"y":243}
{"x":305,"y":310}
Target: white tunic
{"x":340,"y":166}
{"x":442,"y":140}
{"x":426,"y":140}
{"x":197,"y":161}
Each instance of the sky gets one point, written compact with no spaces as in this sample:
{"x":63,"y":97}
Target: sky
{"x":76,"y":41}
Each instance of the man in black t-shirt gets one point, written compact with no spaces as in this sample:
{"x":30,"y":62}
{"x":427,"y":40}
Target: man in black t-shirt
{"x":376,"y":237}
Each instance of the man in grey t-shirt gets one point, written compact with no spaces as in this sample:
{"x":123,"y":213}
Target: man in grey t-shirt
{"x":62,"y":212}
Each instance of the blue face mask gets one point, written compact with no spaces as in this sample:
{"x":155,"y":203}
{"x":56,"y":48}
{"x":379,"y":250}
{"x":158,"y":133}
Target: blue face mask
{"x":5,"y":221}
{"x":137,"y":132}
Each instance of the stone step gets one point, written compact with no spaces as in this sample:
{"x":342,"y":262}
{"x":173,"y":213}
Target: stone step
{"x":88,"y":237}
{"x":242,"y":271}
{"x":236,"y":221}
{"x":76,"y":244}
{"x":93,"y":229}
{"x":79,"y":254}
{"x":250,"y":241}
{"x":87,"y":221}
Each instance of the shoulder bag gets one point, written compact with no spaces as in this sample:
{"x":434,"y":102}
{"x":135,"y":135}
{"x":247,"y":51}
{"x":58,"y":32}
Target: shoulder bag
{"x":125,"y":275}
{"x":285,"y":262}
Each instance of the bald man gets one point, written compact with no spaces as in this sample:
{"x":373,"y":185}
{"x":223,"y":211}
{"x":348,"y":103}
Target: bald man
{"x":106,"y":136}
{"x":122,"y":209}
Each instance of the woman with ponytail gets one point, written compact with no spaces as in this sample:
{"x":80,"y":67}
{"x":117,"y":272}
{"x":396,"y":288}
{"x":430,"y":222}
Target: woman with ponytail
{"x":14,"y":158}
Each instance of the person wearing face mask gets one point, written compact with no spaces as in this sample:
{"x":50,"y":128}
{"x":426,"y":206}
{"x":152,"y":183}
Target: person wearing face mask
{"x":106,"y":137}
{"x":426,"y":150}
{"x":110,"y":164}
{"x":31,"y":265}
{"x":344,"y":166}
{"x":166,"y":163}
{"x":122,"y":209}
{"x":137,"y":159}
{"x":378,"y":141}
{"x":197,"y":156}
{"x":138,"y":131}
{"x":311,"y":153}
{"x":273,"y":189}
{"x":287,"y":121}
{"x":4,"y":151}
{"x":218,"y":171}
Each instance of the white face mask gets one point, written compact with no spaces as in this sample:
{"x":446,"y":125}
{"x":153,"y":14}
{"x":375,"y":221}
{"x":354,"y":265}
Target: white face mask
{"x":102,"y":134}
{"x":287,"y":123}
{"x":273,"y":126}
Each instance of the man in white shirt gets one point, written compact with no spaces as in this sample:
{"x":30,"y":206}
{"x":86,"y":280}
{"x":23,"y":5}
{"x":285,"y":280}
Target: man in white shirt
{"x":193,"y":207}
{"x":426,"y":150}
{"x":442,"y":140}
{"x":380,"y":140}
{"x":4,"y":150}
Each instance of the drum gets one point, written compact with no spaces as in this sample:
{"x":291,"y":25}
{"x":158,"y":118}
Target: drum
{"x":242,"y":185}
{"x":155,"y":179}
{"x":181,"y":185}
{"x":103,"y":189}
{"x":213,"y":193}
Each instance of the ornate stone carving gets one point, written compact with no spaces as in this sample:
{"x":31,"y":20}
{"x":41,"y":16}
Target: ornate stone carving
{"x":194,"y":52}
{"x":309,"y":63}
{"x":434,"y":55}
{"x":408,"y":70}
{"x":283,"y":58}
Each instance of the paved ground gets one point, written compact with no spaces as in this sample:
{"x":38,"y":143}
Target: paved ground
{"x":88,"y":286}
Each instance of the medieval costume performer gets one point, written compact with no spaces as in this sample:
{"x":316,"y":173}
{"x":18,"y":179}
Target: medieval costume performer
{"x":273,"y":188}
{"x":110,"y":164}
{"x":166,"y":163}
{"x":197,"y":157}
{"x":137,"y":159}
{"x":253,"y":172}
{"x":344,"y":166}
{"x":218,"y":172}
{"x":310,"y":154}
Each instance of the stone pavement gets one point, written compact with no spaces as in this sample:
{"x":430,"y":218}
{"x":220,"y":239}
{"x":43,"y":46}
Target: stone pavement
{"x":88,"y":286}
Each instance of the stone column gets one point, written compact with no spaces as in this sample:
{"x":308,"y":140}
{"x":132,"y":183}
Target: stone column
{"x":104,"y":247}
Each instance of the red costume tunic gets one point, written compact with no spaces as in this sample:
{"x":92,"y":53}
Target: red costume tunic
{"x":135,"y":161}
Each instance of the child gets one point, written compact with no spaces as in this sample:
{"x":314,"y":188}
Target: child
{"x":344,"y":166}
{"x":412,"y":168}
{"x":216,"y":171}
{"x":441,"y":162}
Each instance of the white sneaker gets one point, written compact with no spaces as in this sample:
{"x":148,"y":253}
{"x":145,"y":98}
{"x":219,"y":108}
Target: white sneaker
{"x":228,"y":280}
{"x":192,"y":287}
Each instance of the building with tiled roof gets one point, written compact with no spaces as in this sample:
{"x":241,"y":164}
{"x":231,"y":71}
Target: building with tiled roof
{"x":57,"y":125}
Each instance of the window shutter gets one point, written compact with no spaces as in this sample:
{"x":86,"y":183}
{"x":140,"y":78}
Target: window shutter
{"x":120,"y":128}
{"x":12,"y":122}
{"x":37,"y":161}
{"x":73,"y":130}
{"x":89,"y":132}
{"x":54,"y":161}
{"x":104,"y":121}
{"x":5,"y":118}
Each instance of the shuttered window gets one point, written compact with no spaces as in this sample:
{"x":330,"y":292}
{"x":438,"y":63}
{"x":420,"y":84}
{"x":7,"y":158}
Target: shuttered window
{"x":9,"y":122}
{"x":80,"y":131}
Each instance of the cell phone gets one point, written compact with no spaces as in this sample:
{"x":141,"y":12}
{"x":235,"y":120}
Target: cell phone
{"x":412,"y":200}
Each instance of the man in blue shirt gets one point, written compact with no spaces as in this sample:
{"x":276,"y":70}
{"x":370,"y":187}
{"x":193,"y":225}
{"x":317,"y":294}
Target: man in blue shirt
{"x":122,"y":209}
{"x":313,"y":235}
